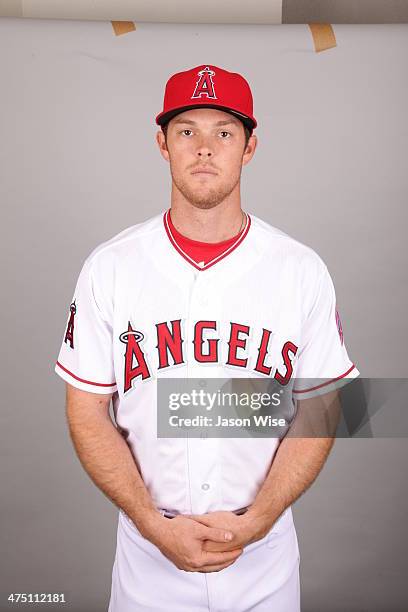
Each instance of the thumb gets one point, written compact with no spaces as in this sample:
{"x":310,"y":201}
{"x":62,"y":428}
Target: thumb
{"x":216,"y":535}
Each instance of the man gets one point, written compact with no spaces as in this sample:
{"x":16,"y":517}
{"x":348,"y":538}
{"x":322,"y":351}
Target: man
{"x":203,"y":290}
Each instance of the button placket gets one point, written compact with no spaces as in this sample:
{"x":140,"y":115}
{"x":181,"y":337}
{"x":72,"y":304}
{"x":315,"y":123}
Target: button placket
{"x":203,"y":470}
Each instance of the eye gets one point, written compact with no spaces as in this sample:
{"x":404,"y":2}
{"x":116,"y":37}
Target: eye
{"x":224,"y":132}
{"x":186,"y":130}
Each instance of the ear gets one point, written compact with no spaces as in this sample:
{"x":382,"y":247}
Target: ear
{"x":250,"y":149}
{"x":161,"y":141}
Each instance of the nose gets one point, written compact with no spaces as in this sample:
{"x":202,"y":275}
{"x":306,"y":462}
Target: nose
{"x":204,"y":152}
{"x":204,"y":149}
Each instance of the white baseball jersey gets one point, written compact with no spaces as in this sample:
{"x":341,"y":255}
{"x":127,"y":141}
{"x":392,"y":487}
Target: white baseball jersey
{"x":142,"y":309}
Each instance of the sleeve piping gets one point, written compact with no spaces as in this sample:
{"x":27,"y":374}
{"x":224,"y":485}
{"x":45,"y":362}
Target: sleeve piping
{"x":82,"y":380}
{"x":325,"y":383}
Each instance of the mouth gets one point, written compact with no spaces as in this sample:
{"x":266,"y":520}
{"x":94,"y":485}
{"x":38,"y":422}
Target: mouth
{"x":204,"y":172}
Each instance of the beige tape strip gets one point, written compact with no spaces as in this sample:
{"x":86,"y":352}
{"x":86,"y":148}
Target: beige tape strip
{"x":157,"y":11}
{"x":123,"y":27}
{"x":323,"y":36}
{"x":11,"y":8}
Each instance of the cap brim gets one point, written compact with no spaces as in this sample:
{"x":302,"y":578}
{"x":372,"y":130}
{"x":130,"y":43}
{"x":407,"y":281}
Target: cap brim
{"x":163,"y":118}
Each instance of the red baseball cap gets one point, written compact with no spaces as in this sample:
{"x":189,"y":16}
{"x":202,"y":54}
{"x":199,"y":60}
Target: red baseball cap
{"x":208,"y":86}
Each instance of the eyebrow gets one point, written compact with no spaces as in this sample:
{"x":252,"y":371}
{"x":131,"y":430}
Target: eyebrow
{"x":226,"y":122}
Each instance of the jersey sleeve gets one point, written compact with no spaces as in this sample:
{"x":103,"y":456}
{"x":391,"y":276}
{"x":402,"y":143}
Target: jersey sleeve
{"x":85,"y":359}
{"x":323,"y":363}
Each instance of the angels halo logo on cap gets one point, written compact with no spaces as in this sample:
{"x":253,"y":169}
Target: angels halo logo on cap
{"x":208,"y":86}
{"x":205,"y":84}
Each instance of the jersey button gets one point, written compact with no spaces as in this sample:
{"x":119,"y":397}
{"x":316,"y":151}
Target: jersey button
{"x":205,"y":486}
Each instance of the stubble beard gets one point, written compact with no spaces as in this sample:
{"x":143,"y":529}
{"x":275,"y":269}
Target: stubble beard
{"x":205,"y":198}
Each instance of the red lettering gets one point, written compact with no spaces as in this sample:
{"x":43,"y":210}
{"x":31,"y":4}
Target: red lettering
{"x":287,"y":348}
{"x":212,"y":355}
{"x":262,"y":352}
{"x":235,"y":342}
{"x":133,"y":350}
{"x":169,"y":341}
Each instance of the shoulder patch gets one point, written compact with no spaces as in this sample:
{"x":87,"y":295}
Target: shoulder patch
{"x":339,"y":326}
{"x":69,"y":334}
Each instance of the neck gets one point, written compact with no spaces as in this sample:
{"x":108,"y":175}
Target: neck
{"x":208,"y":225}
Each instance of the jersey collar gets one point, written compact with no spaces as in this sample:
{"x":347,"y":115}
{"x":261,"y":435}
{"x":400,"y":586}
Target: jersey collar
{"x":219,"y":257}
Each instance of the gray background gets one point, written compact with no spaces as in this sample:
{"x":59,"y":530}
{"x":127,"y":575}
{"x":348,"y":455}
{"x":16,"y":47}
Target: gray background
{"x":79,"y":163}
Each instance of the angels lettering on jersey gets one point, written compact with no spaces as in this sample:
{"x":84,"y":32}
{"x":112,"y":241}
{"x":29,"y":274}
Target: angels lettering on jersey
{"x":170,"y":351}
{"x":239,"y":346}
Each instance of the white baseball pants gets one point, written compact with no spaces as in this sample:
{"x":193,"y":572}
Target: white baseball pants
{"x":265,"y":578}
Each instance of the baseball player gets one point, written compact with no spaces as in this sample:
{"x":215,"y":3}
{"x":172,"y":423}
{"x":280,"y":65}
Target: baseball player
{"x":202,"y":290}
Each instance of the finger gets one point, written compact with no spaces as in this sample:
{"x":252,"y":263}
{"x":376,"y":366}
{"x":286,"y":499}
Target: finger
{"x":219,"y":558}
{"x":215,"y":568}
{"x":209,"y":546}
{"x":215,"y":534}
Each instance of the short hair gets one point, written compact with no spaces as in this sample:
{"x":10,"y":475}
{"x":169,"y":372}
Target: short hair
{"x":247,"y":130}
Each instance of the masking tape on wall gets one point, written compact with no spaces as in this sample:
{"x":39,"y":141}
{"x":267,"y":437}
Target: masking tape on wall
{"x":323,"y":36}
{"x":123,"y":27}
{"x":157,"y":11}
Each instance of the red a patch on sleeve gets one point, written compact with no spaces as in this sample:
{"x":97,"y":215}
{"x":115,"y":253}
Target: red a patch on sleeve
{"x":69,"y":334}
{"x":339,"y":326}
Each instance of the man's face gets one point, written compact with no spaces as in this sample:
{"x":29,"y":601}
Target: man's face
{"x":206,"y":139}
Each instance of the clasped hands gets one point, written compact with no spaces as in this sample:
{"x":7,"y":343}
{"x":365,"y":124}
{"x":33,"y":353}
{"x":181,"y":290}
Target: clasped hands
{"x":205,"y":542}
